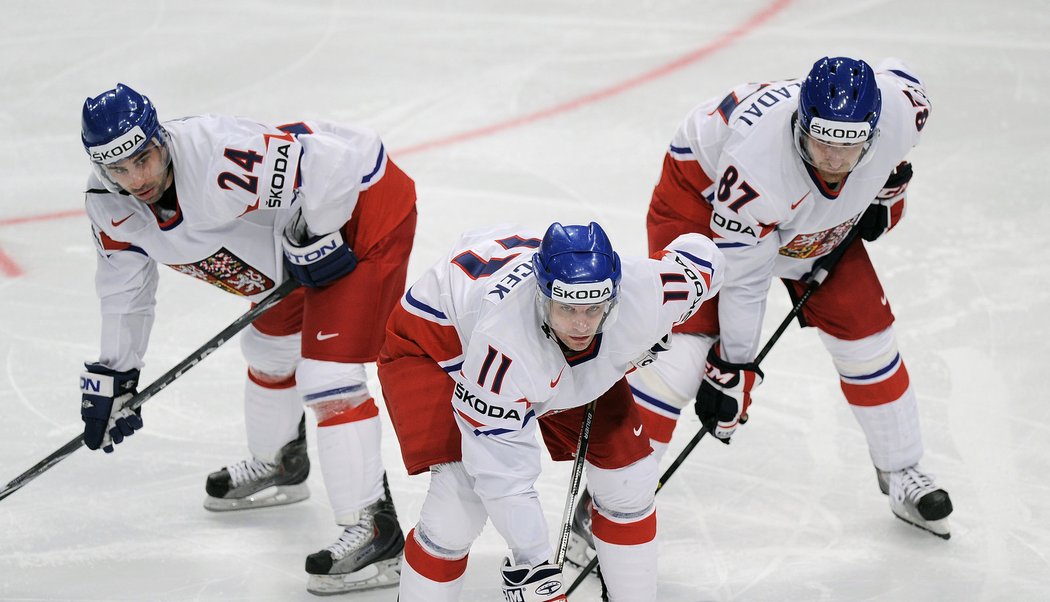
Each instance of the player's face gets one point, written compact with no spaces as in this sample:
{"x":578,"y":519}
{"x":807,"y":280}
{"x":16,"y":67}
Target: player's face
{"x":145,"y":174}
{"x":576,"y":325}
{"x":833,"y":161}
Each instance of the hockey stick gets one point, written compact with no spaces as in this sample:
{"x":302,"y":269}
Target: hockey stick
{"x":574,"y":483}
{"x":155,"y":387}
{"x":813,"y":281}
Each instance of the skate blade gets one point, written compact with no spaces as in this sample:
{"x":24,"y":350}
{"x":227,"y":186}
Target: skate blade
{"x":934,"y":527}
{"x":384,"y":573}
{"x":271,"y":496}
{"x":578,"y":553}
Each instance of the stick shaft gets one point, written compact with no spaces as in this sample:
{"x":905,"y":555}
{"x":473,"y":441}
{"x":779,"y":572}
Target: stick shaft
{"x":574,"y":483}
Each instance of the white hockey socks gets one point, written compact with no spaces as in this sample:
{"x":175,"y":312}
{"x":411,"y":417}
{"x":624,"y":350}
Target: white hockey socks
{"x":352,"y":466}
{"x":623,"y":524}
{"x":629,"y":570}
{"x":271,"y":417}
{"x":892,"y":431}
{"x":875,"y":382}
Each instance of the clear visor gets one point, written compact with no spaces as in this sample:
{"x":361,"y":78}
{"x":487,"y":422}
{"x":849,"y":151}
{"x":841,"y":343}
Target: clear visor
{"x":576,"y":319}
{"x":141,"y":161}
{"x":833,"y":157}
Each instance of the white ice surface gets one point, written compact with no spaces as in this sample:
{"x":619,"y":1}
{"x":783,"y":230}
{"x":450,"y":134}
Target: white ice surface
{"x":790,"y":511}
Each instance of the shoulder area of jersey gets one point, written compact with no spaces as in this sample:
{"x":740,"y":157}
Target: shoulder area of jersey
{"x":217,"y":126}
{"x":498,"y":235}
{"x":746,"y":106}
{"x":495,"y":260}
{"x":492,"y":247}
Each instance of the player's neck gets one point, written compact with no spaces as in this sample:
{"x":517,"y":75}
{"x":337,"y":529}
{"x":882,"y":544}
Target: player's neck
{"x":832,"y":180}
{"x":167,"y":205}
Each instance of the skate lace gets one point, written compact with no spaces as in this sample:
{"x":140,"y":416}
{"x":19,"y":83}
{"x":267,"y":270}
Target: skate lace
{"x":353,"y":537}
{"x":249,"y":470}
{"x":915,"y":484}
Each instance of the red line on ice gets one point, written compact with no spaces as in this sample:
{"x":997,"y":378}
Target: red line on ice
{"x":685,"y":60}
{"x":43,"y":217}
{"x":8,"y":267}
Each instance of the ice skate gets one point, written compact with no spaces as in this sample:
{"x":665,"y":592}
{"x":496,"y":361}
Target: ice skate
{"x":580,"y":550}
{"x":916,"y":500}
{"x":366,"y":556}
{"x":257,"y":484}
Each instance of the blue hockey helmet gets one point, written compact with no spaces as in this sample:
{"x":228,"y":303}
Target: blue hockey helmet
{"x":839,"y":104}
{"x":576,"y":265}
{"x":117,"y":124}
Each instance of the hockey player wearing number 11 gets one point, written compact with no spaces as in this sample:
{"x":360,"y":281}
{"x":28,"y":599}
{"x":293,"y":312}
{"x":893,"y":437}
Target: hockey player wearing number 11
{"x":245,"y":206}
{"x":511,"y":335}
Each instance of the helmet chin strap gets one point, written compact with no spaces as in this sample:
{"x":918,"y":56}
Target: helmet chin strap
{"x":547,"y":330}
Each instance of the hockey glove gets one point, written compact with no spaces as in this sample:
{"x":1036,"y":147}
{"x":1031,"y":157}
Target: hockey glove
{"x":524,"y":583}
{"x":725,"y":394}
{"x":888,"y":207}
{"x":316,"y":260}
{"x":103,"y":394}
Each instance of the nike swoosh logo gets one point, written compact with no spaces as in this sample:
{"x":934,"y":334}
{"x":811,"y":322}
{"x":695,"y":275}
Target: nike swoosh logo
{"x":799,"y":202}
{"x":554,"y":383}
{"x":324,"y":337}
{"x":117,"y":223}
{"x":638,"y":431}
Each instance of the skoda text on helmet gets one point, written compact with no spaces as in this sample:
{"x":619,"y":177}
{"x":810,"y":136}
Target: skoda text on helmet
{"x":576,"y":265}
{"x":115,"y":126}
{"x":839,"y":106}
{"x":116,"y":123}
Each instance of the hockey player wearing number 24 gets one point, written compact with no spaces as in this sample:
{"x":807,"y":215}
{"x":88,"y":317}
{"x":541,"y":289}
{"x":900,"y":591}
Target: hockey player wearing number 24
{"x":518,"y":333}
{"x":777,"y":174}
{"x":244,"y":206}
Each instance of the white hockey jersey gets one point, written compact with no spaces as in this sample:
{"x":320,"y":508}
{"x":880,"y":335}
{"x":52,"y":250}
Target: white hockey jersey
{"x":508,"y":372}
{"x":238,"y":183}
{"x":773,"y":217}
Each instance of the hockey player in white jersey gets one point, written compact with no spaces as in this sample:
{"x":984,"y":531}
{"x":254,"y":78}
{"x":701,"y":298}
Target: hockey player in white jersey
{"x":517,"y":334}
{"x":245,"y":206}
{"x":778,"y":173}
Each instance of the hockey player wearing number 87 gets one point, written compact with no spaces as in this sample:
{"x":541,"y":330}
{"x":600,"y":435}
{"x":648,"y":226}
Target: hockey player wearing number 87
{"x":778,"y":173}
{"x":518,"y":334}
{"x":245,"y":206}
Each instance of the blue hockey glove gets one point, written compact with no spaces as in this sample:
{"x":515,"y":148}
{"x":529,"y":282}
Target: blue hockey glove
{"x":888,"y":207}
{"x":316,"y":260}
{"x":103,"y":394}
{"x":725,"y":394}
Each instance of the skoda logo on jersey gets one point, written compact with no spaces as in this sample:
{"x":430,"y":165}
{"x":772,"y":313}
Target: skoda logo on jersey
{"x":278,"y":179}
{"x":118,"y":149}
{"x":839,"y":132}
{"x":583,"y":293}
{"x":281,"y":161}
{"x":485,"y":408}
